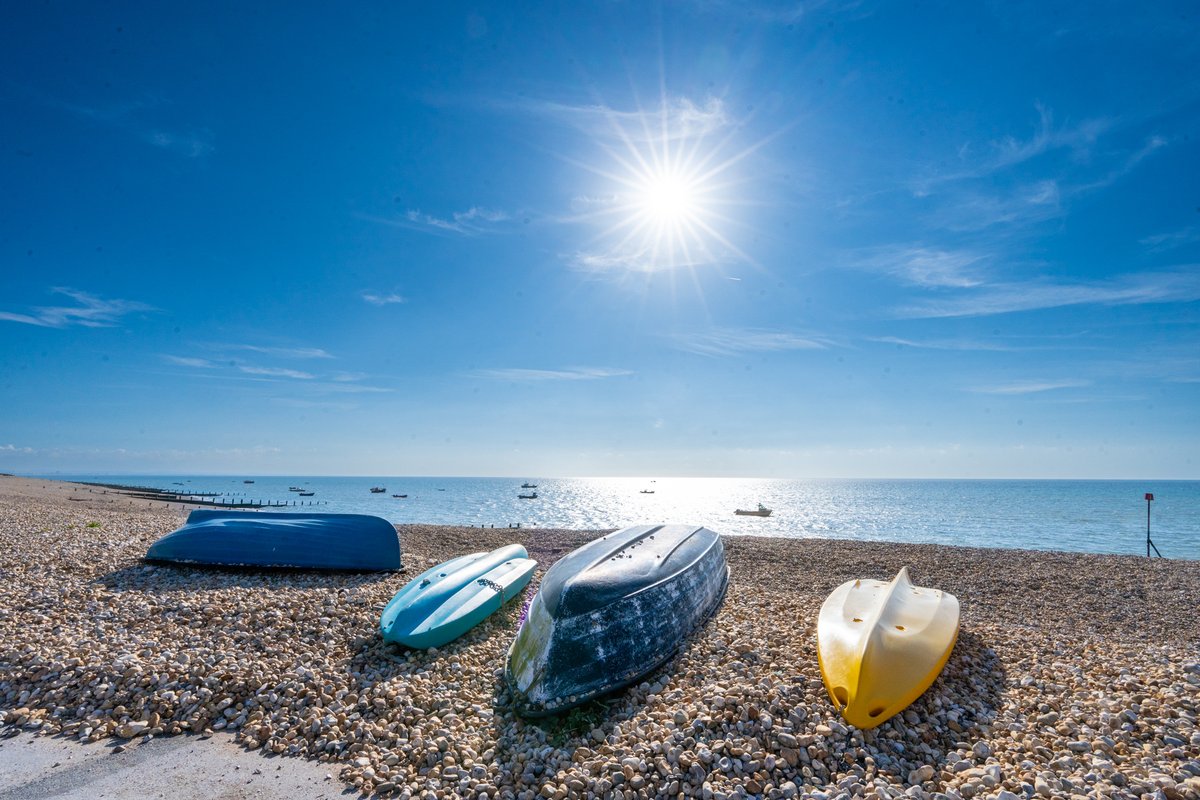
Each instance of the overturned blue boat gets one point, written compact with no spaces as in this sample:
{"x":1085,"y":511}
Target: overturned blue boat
{"x":612,"y":611}
{"x":275,"y":539}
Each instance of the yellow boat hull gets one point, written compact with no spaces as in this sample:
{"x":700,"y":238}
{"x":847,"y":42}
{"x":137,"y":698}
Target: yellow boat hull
{"x":881,"y":644}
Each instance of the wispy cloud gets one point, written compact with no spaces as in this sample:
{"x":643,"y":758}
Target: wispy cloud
{"x":623,"y":261}
{"x":279,"y":352}
{"x":944,"y":344}
{"x":11,"y":448}
{"x":127,"y":117}
{"x":673,"y":119}
{"x":926,"y":266}
{"x":275,"y":372}
{"x":472,"y":222}
{"x":337,"y":386}
{"x":192,"y":145}
{"x":91,"y":311}
{"x":1179,"y":286}
{"x":572,"y":374}
{"x":1029,"y":387}
{"x":378,"y":299}
{"x":1172,"y":239}
{"x":184,"y":361}
{"x":780,"y":13}
{"x":732,"y":341}
{"x":1024,"y":181}
{"x":1010,"y":151}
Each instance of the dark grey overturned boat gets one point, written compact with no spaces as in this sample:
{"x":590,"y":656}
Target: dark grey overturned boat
{"x":612,"y":611}
{"x":277,"y":539}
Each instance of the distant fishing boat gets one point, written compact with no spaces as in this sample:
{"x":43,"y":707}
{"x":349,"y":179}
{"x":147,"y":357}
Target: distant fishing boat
{"x":762,"y":511}
{"x":247,"y":481}
{"x":647,"y":491}
{"x":281,"y":539}
{"x":378,"y":490}
{"x":528,"y":485}
{"x":295,"y":489}
{"x":532,"y":496}
{"x":305,"y":494}
{"x":401,"y":496}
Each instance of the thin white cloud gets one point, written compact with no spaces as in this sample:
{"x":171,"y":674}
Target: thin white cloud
{"x":183,"y":361}
{"x":345,"y":377}
{"x":377,"y":299}
{"x":91,"y":311}
{"x":944,"y":344}
{"x":472,"y":222}
{"x":280,"y":352}
{"x":779,"y":13}
{"x":732,"y":341}
{"x":125,"y":117}
{"x":192,"y":145}
{"x":11,"y":448}
{"x":275,"y":372}
{"x":1172,"y":239}
{"x":299,"y":402}
{"x":1009,"y":151}
{"x":1029,"y":387}
{"x":927,"y":266}
{"x":572,"y":374}
{"x":678,"y":118}
{"x":1179,"y":286}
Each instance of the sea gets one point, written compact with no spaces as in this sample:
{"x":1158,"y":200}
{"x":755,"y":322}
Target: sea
{"x":1094,"y":516}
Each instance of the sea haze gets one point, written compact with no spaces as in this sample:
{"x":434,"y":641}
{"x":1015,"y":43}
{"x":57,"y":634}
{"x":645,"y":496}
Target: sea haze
{"x":1085,"y":516}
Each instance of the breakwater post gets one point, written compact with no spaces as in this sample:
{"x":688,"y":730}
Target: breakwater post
{"x":1149,"y":544}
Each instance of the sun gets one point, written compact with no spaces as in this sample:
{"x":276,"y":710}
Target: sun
{"x":669,"y":199}
{"x":666,"y":193}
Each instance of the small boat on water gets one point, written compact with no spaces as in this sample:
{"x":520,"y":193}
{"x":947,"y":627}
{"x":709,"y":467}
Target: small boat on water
{"x":305,"y":494}
{"x":528,"y":485}
{"x":611,"y":611}
{"x":446,"y":601}
{"x":281,"y":539}
{"x":378,"y":490}
{"x":881,"y":644}
{"x":401,"y":496}
{"x":247,"y":481}
{"x":531,"y":496}
{"x":761,"y":511}
{"x":295,"y":489}
{"x":647,"y":491}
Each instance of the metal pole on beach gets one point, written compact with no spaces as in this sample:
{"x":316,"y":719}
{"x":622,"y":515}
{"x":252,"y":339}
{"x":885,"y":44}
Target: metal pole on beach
{"x":1149,"y":544}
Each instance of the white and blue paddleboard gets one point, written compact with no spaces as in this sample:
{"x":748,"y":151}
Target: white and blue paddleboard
{"x":443,"y":603}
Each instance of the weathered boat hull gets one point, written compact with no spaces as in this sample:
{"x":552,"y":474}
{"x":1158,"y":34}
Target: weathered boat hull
{"x":881,"y":644}
{"x":357,"y":542}
{"x":446,"y":601}
{"x":612,"y":611}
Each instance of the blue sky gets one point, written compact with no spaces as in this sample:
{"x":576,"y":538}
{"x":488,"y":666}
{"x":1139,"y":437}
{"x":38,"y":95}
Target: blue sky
{"x":691,"y":238}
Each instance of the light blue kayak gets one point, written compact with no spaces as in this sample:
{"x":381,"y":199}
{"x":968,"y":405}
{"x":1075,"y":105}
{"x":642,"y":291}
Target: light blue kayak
{"x":443,"y":603}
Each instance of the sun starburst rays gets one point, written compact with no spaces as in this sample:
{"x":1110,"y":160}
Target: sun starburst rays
{"x":667,"y":190}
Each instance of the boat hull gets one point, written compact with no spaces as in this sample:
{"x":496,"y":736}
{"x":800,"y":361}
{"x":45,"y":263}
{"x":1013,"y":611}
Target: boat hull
{"x":612,"y":611}
{"x":446,"y":601}
{"x":358,"y":542}
{"x":881,"y":644}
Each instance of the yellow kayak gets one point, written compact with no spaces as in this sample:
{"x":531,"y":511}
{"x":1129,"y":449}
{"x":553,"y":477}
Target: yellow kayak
{"x":882,"y":644}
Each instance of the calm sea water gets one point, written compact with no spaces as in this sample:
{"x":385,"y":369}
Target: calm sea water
{"x":1088,"y":516}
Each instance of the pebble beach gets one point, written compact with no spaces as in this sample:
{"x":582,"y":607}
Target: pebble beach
{"x":1073,"y":675}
